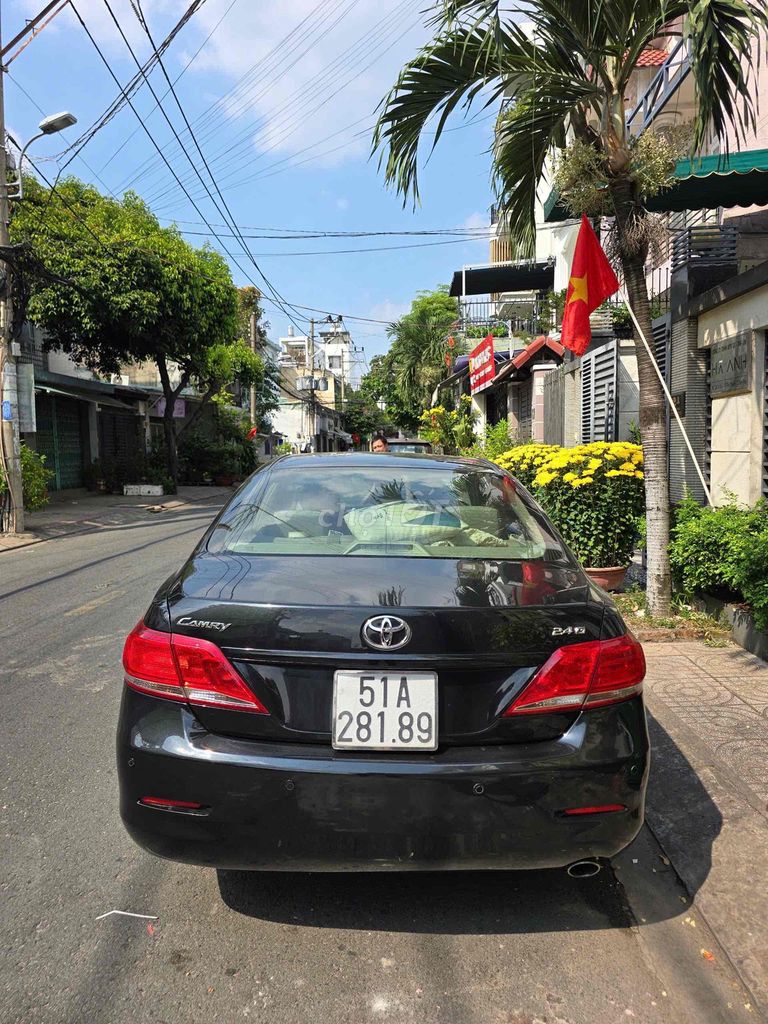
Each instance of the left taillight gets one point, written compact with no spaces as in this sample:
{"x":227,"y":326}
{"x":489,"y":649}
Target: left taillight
{"x":586,"y":675}
{"x":186,"y":669}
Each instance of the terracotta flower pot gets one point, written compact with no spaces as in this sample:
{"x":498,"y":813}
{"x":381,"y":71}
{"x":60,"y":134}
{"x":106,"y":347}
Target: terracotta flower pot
{"x":609,"y":578}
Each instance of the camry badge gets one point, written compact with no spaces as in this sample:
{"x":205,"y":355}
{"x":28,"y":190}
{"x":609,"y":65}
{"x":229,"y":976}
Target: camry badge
{"x":204,"y":624}
{"x":386,"y":632}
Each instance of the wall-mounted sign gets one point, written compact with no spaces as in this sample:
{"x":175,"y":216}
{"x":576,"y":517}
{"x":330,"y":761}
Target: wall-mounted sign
{"x":25,"y":382}
{"x":482,"y":366}
{"x":731,"y":366}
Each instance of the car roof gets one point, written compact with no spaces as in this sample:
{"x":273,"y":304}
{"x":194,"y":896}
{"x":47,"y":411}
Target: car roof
{"x":364,"y":459}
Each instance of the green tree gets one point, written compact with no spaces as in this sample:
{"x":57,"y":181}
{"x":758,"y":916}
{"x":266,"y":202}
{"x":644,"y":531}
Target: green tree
{"x":379,"y":387}
{"x":567,"y":78}
{"x":141,"y":293}
{"x":437,"y":305}
{"x":361,"y":415}
{"x":418,"y":351}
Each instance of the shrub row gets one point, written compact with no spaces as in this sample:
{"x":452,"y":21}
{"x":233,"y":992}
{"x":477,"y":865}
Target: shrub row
{"x":723,"y":551}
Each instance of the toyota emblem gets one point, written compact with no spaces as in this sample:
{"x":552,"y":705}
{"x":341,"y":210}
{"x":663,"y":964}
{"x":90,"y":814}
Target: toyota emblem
{"x":386,"y":632}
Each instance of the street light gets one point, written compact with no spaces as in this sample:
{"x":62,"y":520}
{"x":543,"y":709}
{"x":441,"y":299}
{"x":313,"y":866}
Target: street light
{"x":48,"y":126}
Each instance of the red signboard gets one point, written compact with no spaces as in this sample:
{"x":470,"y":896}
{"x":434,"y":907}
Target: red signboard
{"x":482,"y":367}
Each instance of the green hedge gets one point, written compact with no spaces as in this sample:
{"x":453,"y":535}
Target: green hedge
{"x":34,"y":479}
{"x":723,"y":551}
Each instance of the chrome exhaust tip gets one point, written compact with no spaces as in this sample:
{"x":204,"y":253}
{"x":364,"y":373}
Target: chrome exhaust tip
{"x":584,"y":869}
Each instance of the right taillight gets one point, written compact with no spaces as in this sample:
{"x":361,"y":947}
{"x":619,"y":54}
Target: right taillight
{"x":587,"y":675}
{"x":186,"y":669}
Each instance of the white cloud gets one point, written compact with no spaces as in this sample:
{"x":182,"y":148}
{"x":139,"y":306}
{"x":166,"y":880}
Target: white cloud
{"x":342,"y":203}
{"x":320,"y":85}
{"x":477,"y":222}
{"x":289,"y":82}
{"x":388,"y":310}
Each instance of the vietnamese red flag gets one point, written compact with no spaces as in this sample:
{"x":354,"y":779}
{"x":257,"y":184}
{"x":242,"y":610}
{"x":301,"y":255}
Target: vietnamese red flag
{"x":591,"y":282}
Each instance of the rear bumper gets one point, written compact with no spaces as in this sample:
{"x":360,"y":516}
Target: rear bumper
{"x":295,"y":807}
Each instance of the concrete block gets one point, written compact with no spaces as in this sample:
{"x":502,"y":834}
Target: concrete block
{"x":142,"y":490}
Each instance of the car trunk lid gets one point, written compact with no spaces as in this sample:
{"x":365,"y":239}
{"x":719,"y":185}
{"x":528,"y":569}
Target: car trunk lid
{"x":482,"y":627}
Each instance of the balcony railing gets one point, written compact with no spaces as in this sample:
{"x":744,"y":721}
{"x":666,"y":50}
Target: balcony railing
{"x":662,"y":88}
{"x":706,"y":246}
{"x":517,"y":315}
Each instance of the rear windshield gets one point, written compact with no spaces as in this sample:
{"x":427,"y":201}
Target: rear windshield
{"x":421,"y":511}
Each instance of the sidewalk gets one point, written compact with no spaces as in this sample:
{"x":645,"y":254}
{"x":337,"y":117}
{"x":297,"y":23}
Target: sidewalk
{"x":708,"y":795}
{"x":80,"y":511}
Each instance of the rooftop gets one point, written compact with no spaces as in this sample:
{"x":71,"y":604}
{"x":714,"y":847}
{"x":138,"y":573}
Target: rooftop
{"x":319,"y":460}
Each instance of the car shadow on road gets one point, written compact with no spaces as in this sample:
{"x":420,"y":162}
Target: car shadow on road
{"x":490,"y":902}
{"x":682,"y":815}
{"x":434,"y":902}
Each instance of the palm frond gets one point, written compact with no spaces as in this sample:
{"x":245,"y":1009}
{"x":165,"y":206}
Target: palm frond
{"x":452,"y":71}
{"x":722,"y":35}
{"x":534,"y":125}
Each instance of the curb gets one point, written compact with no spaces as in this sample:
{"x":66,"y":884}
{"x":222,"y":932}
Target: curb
{"x":92,"y":523}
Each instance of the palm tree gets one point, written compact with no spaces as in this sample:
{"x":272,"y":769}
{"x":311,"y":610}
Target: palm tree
{"x":417,"y":354}
{"x":565,"y":80}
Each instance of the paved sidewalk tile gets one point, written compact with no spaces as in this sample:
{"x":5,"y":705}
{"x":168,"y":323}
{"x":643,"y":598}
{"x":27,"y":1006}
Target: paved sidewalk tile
{"x":708,"y":793}
{"x":721,"y":694}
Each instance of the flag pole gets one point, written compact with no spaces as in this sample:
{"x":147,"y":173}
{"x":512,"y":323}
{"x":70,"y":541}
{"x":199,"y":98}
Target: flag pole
{"x":672,"y":405}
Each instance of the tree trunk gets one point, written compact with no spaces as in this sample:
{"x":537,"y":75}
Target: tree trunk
{"x":653,"y":419}
{"x":171,"y":448}
{"x":169,"y":424}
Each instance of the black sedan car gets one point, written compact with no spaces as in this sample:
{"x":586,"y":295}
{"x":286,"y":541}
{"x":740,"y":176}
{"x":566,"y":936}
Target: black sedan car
{"x":382,"y":662}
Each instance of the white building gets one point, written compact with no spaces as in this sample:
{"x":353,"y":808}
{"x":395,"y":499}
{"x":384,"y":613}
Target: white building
{"x":340,"y":354}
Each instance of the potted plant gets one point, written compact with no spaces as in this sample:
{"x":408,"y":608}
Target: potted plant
{"x":621,"y":320}
{"x":93,"y":477}
{"x":594,"y":494}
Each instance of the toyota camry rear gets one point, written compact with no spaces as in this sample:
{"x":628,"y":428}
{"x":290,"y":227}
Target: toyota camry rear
{"x":382,"y":661}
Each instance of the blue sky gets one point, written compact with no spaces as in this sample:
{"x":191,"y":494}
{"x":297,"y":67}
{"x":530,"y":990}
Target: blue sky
{"x":284,"y":124}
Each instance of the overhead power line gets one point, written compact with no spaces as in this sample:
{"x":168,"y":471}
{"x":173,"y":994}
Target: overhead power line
{"x":155,"y":144}
{"x":301,"y":234}
{"x":126,"y":92}
{"x":343,"y":252}
{"x":288,"y":117}
{"x":231,"y":220}
{"x":71,"y":209}
{"x":271,"y":69}
{"x":180,"y":75}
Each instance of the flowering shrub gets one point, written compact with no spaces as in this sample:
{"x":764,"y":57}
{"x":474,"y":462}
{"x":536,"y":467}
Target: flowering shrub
{"x":593,"y":492}
{"x":451,"y":429}
{"x":524,"y":460}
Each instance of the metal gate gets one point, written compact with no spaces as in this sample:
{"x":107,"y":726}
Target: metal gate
{"x":599,"y":369}
{"x":59,"y":438}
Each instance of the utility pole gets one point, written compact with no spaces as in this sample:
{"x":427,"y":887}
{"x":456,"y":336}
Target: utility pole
{"x":9,"y":434}
{"x":311,"y":367}
{"x":253,"y":386}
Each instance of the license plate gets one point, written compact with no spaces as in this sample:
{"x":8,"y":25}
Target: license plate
{"x":385,"y":711}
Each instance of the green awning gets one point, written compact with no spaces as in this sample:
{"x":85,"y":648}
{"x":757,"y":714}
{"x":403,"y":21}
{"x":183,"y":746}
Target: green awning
{"x":733,"y":179}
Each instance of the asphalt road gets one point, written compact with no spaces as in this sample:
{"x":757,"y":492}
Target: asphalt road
{"x":527,"y":948}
